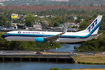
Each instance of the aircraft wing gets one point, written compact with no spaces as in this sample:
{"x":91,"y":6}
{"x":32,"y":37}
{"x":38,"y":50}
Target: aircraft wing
{"x":54,"y":38}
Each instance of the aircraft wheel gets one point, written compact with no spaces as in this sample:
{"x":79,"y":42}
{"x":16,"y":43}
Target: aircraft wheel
{"x":51,"y":44}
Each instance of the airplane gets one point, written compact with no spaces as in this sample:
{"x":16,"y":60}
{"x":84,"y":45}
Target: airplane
{"x":44,"y":36}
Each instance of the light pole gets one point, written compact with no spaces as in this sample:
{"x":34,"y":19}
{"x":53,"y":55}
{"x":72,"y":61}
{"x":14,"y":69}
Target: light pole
{"x":56,"y":50}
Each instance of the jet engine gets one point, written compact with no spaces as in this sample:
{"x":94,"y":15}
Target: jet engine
{"x":39,"y":40}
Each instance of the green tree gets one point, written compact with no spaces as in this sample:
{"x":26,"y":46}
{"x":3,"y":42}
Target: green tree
{"x":30,"y":20}
{"x":78,"y":20}
{"x":28,"y":23}
{"x":4,"y":21}
{"x":83,"y":25}
{"x":29,"y":15}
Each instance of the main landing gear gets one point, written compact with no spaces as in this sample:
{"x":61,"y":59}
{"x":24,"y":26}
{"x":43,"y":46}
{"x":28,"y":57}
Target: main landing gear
{"x":51,"y":44}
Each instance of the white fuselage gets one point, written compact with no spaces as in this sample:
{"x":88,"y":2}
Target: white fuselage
{"x":68,"y":37}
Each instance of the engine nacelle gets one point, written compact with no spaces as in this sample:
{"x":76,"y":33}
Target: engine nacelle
{"x":39,"y":40}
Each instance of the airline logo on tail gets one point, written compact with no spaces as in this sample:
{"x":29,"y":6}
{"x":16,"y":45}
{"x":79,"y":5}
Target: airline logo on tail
{"x":92,"y":25}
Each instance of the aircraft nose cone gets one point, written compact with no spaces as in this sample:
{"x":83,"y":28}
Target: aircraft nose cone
{"x":3,"y":36}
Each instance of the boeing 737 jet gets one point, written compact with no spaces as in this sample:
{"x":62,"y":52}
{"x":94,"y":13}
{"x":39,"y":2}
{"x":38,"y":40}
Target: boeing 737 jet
{"x":69,"y":37}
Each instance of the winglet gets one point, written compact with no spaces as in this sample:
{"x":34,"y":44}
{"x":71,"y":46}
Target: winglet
{"x":65,"y":27}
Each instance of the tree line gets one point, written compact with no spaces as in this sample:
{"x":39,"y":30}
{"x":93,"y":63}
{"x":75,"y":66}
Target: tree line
{"x":95,"y":45}
{"x":59,"y":17}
